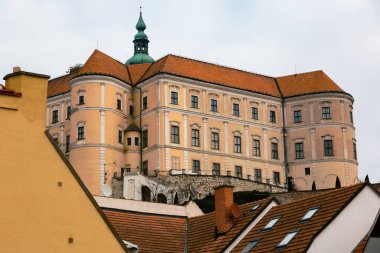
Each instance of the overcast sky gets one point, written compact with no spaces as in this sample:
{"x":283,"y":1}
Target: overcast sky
{"x":269,"y":37}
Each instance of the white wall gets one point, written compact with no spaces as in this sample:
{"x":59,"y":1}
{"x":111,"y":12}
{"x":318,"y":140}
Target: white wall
{"x":345,"y":232}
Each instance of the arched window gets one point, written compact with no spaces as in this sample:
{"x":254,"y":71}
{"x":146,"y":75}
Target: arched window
{"x":161,"y":198}
{"x":145,"y":193}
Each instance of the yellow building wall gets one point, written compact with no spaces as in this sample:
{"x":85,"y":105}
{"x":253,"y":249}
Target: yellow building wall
{"x":39,"y":215}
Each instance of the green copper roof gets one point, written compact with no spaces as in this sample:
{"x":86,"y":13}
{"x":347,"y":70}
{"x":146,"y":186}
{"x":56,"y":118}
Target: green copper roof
{"x":139,"y":58}
{"x":141,"y":35}
{"x":140,"y":26}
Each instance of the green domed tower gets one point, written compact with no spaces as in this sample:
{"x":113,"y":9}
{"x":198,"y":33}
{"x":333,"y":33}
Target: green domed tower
{"x":141,"y":42}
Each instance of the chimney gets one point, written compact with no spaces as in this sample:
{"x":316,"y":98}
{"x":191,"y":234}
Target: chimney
{"x":16,"y":69}
{"x":224,"y":200}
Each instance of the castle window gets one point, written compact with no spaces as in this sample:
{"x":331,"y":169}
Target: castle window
{"x":145,"y":138}
{"x":67,"y":143}
{"x":299,"y":150}
{"x":214,"y":105}
{"x":131,"y":110}
{"x":137,"y":141}
{"x":54,"y":117}
{"x":236,"y":109}
{"x":81,"y":133}
{"x":194,"y":102}
{"x":326,"y":113}
{"x":276,"y":177}
{"x":255,"y":113}
{"x":237,"y":144}
{"x":145,"y":168}
{"x":68,"y":112}
{"x":174,"y":134}
{"x":174,"y":97}
{"x":238,"y":171}
{"x":120,"y":136}
{"x":351,"y":117}
{"x":195,"y":137}
{"x":129,"y":141}
{"x":214,"y":140}
{"x":256,"y":147}
{"x":145,"y":103}
{"x":196,"y":166}
{"x":354,"y":148}
{"x":216,"y":169}
{"x":307,"y":171}
{"x":258,"y":175}
{"x":328,"y":148}
{"x":176,"y":163}
{"x":81,"y":99}
{"x":272,"y":116}
{"x":274,"y":150}
{"x":297,"y":116}
{"x":118,"y":104}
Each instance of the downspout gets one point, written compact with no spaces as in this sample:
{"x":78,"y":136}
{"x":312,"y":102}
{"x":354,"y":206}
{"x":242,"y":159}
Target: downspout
{"x":140,"y":117}
{"x":284,"y":134}
{"x":186,"y":235}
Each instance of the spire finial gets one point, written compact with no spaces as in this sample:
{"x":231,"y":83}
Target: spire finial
{"x":140,"y":9}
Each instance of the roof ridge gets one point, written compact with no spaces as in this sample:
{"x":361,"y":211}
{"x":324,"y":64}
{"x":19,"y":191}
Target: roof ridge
{"x":61,"y":76}
{"x":156,"y":62}
{"x":302,"y":73}
{"x":219,"y":65}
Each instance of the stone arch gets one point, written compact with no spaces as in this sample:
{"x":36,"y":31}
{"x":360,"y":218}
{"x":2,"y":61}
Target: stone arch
{"x":131,"y":189}
{"x":161,"y":198}
{"x":301,"y":183}
{"x":329,"y":181}
{"x":145,"y":193}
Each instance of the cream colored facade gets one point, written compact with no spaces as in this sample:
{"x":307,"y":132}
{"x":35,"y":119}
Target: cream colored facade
{"x":99,"y":155}
{"x":45,"y":206}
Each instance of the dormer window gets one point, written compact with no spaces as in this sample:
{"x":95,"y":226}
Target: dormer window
{"x":309,"y":214}
{"x":287,"y":239}
{"x":271,"y":223}
{"x":250,"y":246}
{"x":255,"y":207}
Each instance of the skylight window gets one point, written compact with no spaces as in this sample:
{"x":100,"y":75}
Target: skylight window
{"x":250,"y":246}
{"x":309,"y":214}
{"x":287,"y":239}
{"x":271,"y":223}
{"x":255,"y":207}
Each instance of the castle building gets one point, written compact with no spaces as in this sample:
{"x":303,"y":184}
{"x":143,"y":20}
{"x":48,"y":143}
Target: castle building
{"x":181,"y":115}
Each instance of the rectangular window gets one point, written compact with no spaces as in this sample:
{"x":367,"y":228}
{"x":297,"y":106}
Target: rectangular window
{"x":354,"y":148}
{"x":137,"y":141}
{"x":256,"y":147}
{"x":54,"y":117}
{"x":131,"y":110}
{"x":237,"y":144}
{"x":271,"y":223}
{"x":258,"y":175}
{"x":129,"y":141}
{"x":145,"y":138}
{"x":67,"y":143}
{"x":174,"y":97}
{"x":351,"y":117}
{"x":297,"y":116}
{"x":299,"y":150}
{"x":272,"y":116}
{"x":274,"y":150}
{"x":176,"y":163}
{"x":307,"y":171}
{"x":276,"y":178}
{"x":255,"y":113}
{"x":287,"y":239}
{"x":309,"y":214}
{"x":214,"y":140}
{"x":174,"y":134}
{"x":195,"y":137}
{"x":235,"y":109}
{"x":118,"y":104}
{"x":249,"y":247}
{"x":81,"y":99}
{"x":216,"y":169}
{"x":194,"y":102}
{"x":328,"y":145}
{"x":214,"y":105}
{"x":145,"y":168}
{"x":68,"y":112}
{"x":81,"y":133}
{"x":238,"y":171}
{"x":120,"y":136}
{"x":56,"y":140}
{"x":196,"y":166}
{"x":145,"y":103}
{"x":326,"y":113}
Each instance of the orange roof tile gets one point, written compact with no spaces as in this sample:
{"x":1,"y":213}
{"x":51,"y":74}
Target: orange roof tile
{"x":151,"y":233}
{"x":306,"y":83}
{"x":330,"y":204}
{"x":59,"y":85}
{"x":361,"y":246}
{"x":9,"y":92}
{"x":212,"y":73}
{"x":136,"y":71}
{"x":202,"y":228}
{"x":100,"y":63}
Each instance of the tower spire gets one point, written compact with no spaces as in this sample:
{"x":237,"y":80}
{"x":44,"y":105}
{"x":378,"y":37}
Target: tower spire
{"x":140,"y":42}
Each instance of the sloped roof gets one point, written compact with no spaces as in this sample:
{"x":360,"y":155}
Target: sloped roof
{"x":9,"y":92}
{"x":330,"y":204}
{"x":132,"y":128}
{"x":285,"y":86}
{"x":306,"y":83}
{"x":202,"y":228}
{"x":150,"y":232}
{"x":362,"y":244}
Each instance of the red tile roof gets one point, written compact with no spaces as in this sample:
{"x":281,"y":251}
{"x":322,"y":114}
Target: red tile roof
{"x":286,"y":86}
{"x":361,"y":246}
{"x":202,"y":228}
{"x":330,"y":204}
{"x":9,"y":92}
{"x":151,"y":233}
{"x":306,"y":83}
